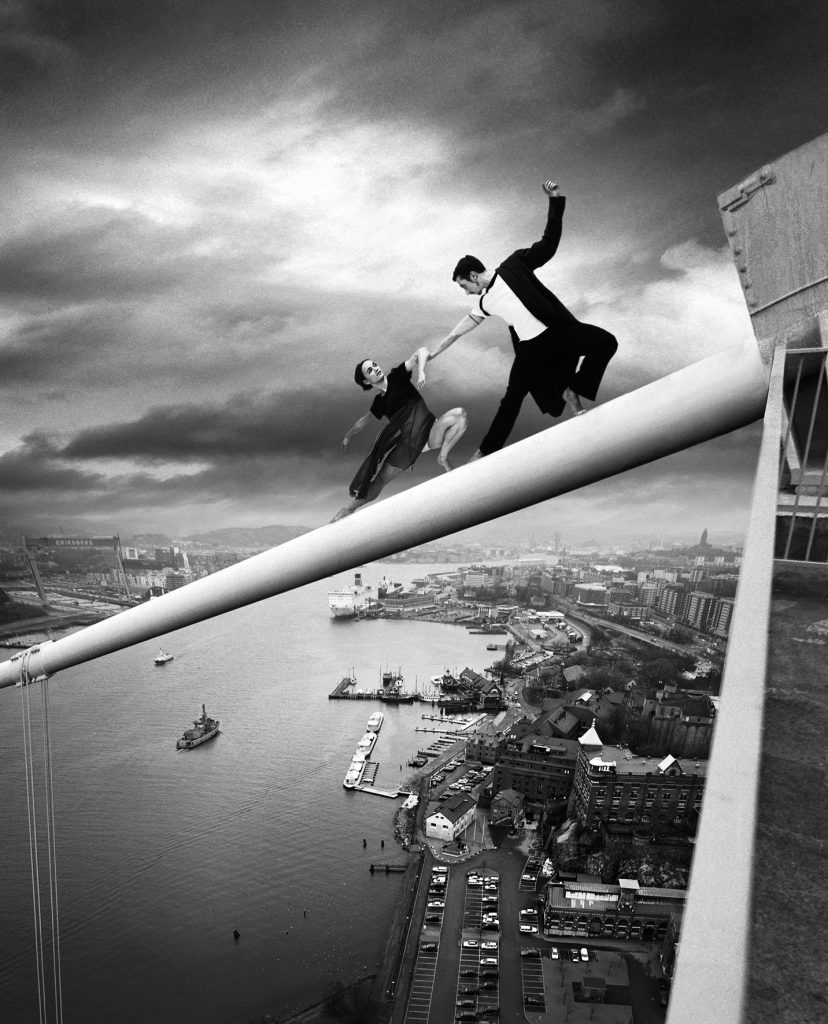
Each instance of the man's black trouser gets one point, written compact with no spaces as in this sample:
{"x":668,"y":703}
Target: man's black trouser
{"x":544,"y":367}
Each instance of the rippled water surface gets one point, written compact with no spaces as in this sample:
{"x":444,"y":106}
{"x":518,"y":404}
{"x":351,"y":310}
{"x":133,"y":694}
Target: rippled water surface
{"x":161,"y":853}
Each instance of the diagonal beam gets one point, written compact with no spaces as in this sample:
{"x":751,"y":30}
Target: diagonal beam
{"x":695,"y":404}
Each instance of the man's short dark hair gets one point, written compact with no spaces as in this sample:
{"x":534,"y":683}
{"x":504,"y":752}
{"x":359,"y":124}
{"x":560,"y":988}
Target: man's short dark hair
{"x":465,"y":266}
{"x":359,"y":376}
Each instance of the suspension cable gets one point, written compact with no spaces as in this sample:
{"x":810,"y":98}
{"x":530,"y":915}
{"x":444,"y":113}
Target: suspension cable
{"x":52,"y":852}
{"x":31,"y":811}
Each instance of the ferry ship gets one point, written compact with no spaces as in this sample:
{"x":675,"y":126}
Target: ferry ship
{"x":348,"y":602}
{"x":375,"y":721}
{"x":366,"y":744}
{"x":204,"y":728}
{"x":354,"y":774}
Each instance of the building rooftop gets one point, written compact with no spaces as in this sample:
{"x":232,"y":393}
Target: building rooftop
{"x":627,"y":763}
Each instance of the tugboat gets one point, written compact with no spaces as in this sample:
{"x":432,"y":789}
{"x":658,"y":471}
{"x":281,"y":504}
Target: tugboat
{"x":163,"y":657}
{"x":204,"y":728}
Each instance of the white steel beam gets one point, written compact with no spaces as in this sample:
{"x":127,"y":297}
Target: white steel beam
{"x":695,"y":404}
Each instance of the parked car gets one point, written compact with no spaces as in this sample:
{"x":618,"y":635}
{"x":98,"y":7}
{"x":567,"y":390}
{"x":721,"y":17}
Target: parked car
{"x":488,"y":945}
{"x":573,"y":955}
{"x":584,"y":953}
{"x":436,"y":904}
{"x":488,"y":961}
{"x":532,"y":1000}
{"x":470,"y":943}
{"x":433,"y":918}
{"x":488,"y":984}
{"x":529,"y":929}
{"x":553,"y":952}
{"x":466,"y":1002}
{"x":529,"y":951}
{"x":468,"y":972}
{"x":429,"y":947}
{"x":468,"y":990}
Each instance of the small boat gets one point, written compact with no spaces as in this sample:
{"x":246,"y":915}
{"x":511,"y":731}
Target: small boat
{"x":354,"y":774}
{"x":163,"y":657}
{"x":375,"y":721}
{"x":366,"y":744}
{"x":204,"y":728}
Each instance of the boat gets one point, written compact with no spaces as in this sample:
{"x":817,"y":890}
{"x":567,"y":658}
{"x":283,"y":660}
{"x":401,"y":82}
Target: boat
{"x":366,"y":744}
{"x":396,"y":697}
{"x":204,"y":728}
{"x":163,"y":657}
{"x":375,"y":721}
{"x":387,"y":588}
{"x":354,"y":774}
{"x":348,"y":602}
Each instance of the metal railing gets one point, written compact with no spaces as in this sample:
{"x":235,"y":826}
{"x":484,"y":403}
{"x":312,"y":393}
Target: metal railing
{"x":713,"y":960}
{"x":802,"y":511}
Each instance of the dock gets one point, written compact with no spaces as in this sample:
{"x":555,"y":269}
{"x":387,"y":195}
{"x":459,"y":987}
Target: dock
{"x":382,"y":792}
{"x":387,"y":868}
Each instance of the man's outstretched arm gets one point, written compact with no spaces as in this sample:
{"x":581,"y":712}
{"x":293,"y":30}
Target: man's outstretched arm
{"x":468,"y":323}
{"x":543,"y":250}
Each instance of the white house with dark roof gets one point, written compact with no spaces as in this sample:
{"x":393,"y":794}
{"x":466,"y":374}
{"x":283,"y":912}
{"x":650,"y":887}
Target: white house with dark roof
{"x":451,"y":818}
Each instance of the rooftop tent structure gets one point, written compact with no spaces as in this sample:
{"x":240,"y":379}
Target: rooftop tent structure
{"x":700,"y":402}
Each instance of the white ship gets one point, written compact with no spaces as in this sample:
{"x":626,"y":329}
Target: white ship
{"x":347,"y":602}
{"x":375,"y":721}
{"x":355,"y":770}
{"x":366,"y":744}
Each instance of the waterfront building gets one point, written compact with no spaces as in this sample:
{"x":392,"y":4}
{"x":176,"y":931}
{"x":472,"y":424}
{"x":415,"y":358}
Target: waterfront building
{"x":622,"y":792}
{"x":538,"y":767}
{"x":589,"y":909}
{"x":451,"y":819}
{"x":484,"y":743}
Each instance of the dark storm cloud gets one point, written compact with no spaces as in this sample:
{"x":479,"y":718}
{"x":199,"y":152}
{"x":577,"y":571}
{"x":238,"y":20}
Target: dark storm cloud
{"x":34,"y":467}
{"x":94,"y":254}
{"x":245,"y":426}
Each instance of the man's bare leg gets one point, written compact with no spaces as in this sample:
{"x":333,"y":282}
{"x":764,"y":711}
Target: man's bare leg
{"x":446,"y":432}
{"x":573,"y":400}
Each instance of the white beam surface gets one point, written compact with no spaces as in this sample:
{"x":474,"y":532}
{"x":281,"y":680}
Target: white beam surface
{"x":695,"y":404}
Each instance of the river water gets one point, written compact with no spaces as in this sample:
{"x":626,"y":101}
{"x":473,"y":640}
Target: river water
{"x":161,"y":854}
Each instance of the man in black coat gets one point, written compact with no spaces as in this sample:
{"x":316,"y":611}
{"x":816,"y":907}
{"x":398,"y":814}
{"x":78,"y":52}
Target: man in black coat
{"x":549,"y":342}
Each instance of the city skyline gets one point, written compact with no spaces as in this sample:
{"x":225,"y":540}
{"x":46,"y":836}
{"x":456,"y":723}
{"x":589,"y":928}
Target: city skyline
{"x":212,"y":211}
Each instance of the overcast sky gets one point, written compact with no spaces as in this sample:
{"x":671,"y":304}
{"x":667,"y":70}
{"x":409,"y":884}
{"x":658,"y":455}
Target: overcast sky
{"x":212,"y":208}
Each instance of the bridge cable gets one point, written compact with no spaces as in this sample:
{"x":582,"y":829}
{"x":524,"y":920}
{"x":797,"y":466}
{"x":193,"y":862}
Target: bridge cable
{"x":52,"y":852}
{"x":31,"y":811}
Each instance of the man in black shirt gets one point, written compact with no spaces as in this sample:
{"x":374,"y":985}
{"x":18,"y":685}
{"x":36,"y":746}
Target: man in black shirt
{"x":411,"y":429}
{"x":549,"y":342}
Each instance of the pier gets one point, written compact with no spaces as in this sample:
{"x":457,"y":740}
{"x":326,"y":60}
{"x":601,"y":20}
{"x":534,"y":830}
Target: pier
{"x":382,"y":792}
{"x":387,"y":868}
